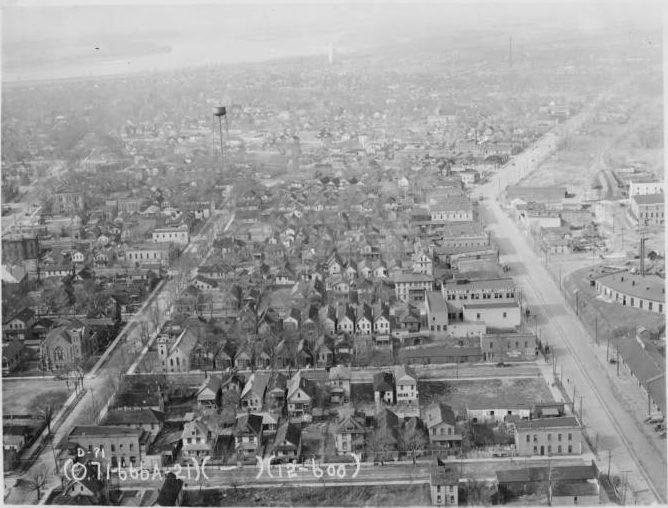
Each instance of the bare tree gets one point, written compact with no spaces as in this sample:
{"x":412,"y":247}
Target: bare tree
{"x":379,"y":443}
{"x":476,"y":493}
{"x":413,"y":441}
{"x":36,"y":482}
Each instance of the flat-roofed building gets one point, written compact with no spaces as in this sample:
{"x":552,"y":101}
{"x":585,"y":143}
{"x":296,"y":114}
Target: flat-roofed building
{"x":549,"y":436}
{"x":121,"y":445}
{"x":459,"y":292}
{"x":171,"y":235}
{"x":497,"y":315}
{"x":632,"y":290}
{"x":648,"y":209}
{"x":642,"y":186}
{"x":411,"y":286}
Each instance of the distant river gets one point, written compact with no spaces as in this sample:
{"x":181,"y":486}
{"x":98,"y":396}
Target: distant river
{"x":168,"y":57}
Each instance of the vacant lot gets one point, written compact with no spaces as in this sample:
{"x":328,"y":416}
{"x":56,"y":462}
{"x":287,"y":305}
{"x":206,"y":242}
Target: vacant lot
{"x":390,"y":495}
{"x":30,"y":396}
{"x":460,"y":394}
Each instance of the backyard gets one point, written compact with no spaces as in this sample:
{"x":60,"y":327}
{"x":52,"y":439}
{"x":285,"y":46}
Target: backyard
{"x":461,"y":394}
{"x":31,"y":396}
{"x":386,"y":495}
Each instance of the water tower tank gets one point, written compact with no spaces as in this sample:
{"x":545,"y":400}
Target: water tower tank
{"x":219,"y":111}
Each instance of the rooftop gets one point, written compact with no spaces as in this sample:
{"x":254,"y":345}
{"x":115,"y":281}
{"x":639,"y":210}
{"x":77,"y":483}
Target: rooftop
{"x":649,"y":199}
{"x":103,"y":431}
{"x":548,"y":423}
{"x":651,"y":287}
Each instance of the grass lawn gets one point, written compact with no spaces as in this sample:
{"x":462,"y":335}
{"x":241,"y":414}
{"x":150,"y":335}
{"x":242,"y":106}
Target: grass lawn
{"x":29,"y":397}
{"x":390,"y":495}
{"x":459,"y":394}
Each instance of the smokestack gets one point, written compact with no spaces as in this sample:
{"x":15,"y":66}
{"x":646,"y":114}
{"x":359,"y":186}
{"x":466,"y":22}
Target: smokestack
{"x":330,"y":53}
{"x":510,"y":51}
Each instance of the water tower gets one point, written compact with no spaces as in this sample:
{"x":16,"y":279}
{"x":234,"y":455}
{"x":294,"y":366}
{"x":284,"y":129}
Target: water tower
{"x":219,"y":112}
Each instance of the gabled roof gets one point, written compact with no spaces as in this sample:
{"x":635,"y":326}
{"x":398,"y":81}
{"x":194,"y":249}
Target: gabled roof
{"x":25,"y":314}
{"x":350,"y":424}
{"x":404,"y":370}
{"x":383,"y":381}
{"x":257,"y":384}
{"x":141,"y":416}
{"x":170,"y":490}
{"x":212,"y":383}
{"x":248,"y":423}
{"x":435,"y":414}
{"x":297,"y":382}
{"x":288,"y":433}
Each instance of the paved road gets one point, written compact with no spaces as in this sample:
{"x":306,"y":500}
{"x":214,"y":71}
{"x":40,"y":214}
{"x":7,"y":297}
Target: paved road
{"x":369,"y":474}
{"x":617,"y":428}
{"x":98,"y":383}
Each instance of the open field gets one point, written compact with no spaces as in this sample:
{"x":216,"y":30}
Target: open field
{"x":459,"y":394}
{"x":386,"y":495}
{"x":30,"y":396}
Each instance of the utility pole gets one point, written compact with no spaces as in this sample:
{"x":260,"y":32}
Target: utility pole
{"x":617,"y":349}
{"x":607,"y":350}
{"x":596,"y":328}
{"x":626,"y":484}
{"x":581,"y":409}
{"x":609,"y":462}
{"x":573,"y":400}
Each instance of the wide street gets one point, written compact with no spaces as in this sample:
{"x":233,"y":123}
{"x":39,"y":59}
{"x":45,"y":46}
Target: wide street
{"x":332,"y":474}
{"x":617,"y":429}
{"x":99,"y":382}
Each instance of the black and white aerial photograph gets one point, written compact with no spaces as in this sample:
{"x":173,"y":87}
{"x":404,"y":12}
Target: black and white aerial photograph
{"x":333,"y":253}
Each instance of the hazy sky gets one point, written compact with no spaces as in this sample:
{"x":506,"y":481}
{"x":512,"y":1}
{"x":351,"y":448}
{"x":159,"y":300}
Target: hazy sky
{"x":35,"y":34}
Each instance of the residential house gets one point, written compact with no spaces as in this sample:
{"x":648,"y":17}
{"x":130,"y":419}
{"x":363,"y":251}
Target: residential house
{"x":324,"y":357}
{"x":17,"y":326}
{"x":349,"y":436}
{"x":274,"y":399}
{"x":287,"y":444}
{"x":255,"y":389}
{"x":346,"y":320}
{"x":441,"y":426}
{"x":406,"y":385}
{"x":247,"y":436}
{"x":422,"y":262}
{"x":339,"y":382}
{"x":443,"y":486}
{"x":364,"y":323}
{"x":328,"y":318}
{"x":300,"y":398}
{"x":384,"y":388}
{"x":381,"y":322}
{"x":197,"y":439}
{"x":209,"y":393}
